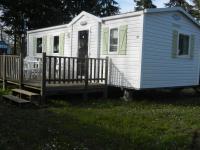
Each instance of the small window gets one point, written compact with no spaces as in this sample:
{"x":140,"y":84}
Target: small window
{"x":183,"y":46}
{"x":56,"y":44}
{"x":113,"y":40}
{"x":39,"y":45}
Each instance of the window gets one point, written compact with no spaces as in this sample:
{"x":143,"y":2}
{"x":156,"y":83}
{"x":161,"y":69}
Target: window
{"x":113,"y":40}
{"x":183,"y":45}
{"x":39,"y":45}
{"x":56,"y":44}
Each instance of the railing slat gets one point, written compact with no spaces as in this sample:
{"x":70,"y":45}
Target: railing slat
{"x":49,"y":72}
{"x":73,"y":70}
{"x":59,"y":69}
{"x":69,"y":69}
{"x":95,"y":64}
{"x":102,"y":68}
{"x":90,"y":69}
{"x":54,"y":69}
{"x":98,"y":72}
{"x":64,"y":69}
{"x":77,"y":71}
{"x":81,"y":68}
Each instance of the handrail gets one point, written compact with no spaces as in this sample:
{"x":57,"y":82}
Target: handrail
{"x":69,"y":70}
{"x":56,"y":70}
{"x":73,"y":69}
{"x":10,"y":69}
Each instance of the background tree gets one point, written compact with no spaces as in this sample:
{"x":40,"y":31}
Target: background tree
{"x":106,"y":8}
{"x":45,"y":13}
{"x":196,"y":9}
{"x":143,"y":4}
{"x":180,"y":3}
{"x":37,"y":13}
{"x":191,"y":9}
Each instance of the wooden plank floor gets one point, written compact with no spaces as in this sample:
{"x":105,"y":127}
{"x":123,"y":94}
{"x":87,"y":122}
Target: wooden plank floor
{"x":63,"y":88}
{"x":75,"y":84}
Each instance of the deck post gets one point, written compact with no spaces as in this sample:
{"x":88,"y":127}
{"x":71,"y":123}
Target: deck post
{"x":21,"y":73}
{"x":43,"y":80}
{"x":86,"y":78}
{"x":4,"y":71}
{"x":106,"y":78}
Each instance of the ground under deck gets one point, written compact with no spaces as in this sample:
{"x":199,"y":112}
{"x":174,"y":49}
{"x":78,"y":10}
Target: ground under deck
{"x":56,"y":75}
{"x":64,"y":88}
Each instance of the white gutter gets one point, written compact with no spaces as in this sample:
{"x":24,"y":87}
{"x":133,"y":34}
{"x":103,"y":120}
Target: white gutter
{"x":47,"y":29}
{"x":125,"y":15}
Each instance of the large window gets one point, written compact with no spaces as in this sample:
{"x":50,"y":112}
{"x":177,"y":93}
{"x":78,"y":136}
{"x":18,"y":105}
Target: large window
{"x":39,"y":45}
{"x":56,"y":44}
{"x":113,"y":40}
{"x":183,"y":46}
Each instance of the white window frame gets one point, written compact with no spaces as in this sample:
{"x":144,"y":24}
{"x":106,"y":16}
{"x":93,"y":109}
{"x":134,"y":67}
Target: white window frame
{"x":116,"y":52}
{"x":37,"y":43}
{"x":58,"y":44}
{"x":177,"y":51}
{"x":52,"y":43}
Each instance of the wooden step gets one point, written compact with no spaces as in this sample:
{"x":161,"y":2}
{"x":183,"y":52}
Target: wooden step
{"x":15,"y":99}
{"x":28,"y":93}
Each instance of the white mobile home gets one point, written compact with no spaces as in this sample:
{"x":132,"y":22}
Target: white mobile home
{"x":154,"y":48}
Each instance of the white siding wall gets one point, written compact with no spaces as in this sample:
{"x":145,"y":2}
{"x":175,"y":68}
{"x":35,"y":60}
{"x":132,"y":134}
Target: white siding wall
{"x":53,"y":32}
{"x":159,"y":69}
{"x":125,"y":69}
{"x":92,"y":26}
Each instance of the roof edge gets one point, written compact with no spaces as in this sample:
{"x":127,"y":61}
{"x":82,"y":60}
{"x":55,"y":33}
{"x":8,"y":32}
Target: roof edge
{"x":48,"y":28}
{"x":82,"y":14}
{"x":66,"y":25}
{"x":130,"y":14}
{"x":124,"y":15}
{"x":178,"y":9}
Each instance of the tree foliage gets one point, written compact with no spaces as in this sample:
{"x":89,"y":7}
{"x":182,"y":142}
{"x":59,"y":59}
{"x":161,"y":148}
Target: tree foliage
{"x":196,"y":9}
{"x":52,"y":12}
{"x":45,"y":13}
{"x":191,"y":9}
{"x":180,"y":3}
{"x":143,"y":4}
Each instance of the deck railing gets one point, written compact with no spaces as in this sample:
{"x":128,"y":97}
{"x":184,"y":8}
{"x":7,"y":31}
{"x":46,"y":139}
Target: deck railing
{"x":65,"y":70}
{"x":75,"y":70}
{"x":10,"y":69}
{"x":55,"y":70}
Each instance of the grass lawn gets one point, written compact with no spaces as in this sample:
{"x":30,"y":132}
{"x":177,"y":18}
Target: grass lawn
{"x":154,"y":121}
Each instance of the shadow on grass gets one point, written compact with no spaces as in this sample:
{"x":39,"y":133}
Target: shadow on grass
{"x":179,"y":97}
{"x":43,"y":129}
{"x":64,"y":127}
{"x":184,"y":97}
{"x":60,"y":129}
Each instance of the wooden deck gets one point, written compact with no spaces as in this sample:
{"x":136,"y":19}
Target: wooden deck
{"x":63,"y":88}
{"x":57,"y":75}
